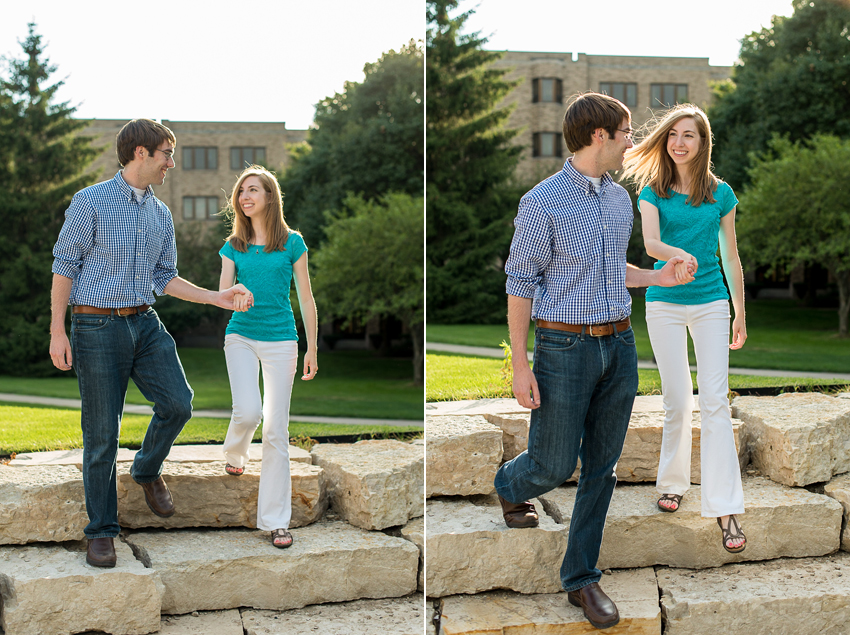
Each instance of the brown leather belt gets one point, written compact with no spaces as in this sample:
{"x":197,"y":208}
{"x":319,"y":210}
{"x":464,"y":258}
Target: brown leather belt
{"x":130,"y":310}
{"x":594,"y":330}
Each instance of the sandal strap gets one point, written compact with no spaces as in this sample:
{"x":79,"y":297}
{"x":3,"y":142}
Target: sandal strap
{"x":727,"y":531}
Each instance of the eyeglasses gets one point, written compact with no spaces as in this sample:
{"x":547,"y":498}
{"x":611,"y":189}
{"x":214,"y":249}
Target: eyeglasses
{"x":169,"y":154}
{"x":629,"y":132}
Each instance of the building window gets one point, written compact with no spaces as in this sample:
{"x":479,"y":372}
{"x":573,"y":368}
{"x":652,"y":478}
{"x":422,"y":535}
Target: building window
{"x":625,"y":92}
{"x":200,"y":207}
{"x":547,"y":144}
{"x":666,"y":95}
{"x":240,"y":158}
{"x":198,"y":158}
{"x":544,"y":89}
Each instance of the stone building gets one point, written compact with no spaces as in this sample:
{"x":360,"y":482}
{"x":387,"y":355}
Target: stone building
{"x":547,"y":80}
{"x":209,"y":156}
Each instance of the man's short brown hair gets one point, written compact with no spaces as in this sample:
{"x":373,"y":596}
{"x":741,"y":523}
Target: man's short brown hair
{"x":141,"y":132}
{"x":589,"y":112}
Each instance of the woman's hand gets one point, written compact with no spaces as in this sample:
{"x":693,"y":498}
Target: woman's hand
{"x":311,"y":366}
{"x":686,"y":269}
{"x":242,"y":301}
{"x":739,"y":332}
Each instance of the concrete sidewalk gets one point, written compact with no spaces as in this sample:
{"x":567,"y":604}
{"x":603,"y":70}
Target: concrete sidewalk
{"x":215,"y":414}
{"x":480,"y":351}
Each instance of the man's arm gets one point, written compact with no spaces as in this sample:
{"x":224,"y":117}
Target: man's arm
{"x":664,"y":277}
{"x":60,"y":346}
{"x":185,"y":290}
{"x":525,"y":383}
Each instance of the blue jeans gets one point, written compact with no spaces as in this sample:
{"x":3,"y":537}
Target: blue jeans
{"x":107,"y":351}
{"x":587,"y":389}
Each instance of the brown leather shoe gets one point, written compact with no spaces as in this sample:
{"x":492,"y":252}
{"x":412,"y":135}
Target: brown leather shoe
{"x":101,"y":552}
{"x":519,"y":515}
{"x":158,"y":498}
{"x":599,"y":609}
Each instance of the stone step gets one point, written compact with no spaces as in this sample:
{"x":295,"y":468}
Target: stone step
{"x":779,"y":597}
{"x":329,"y":561}
{"x":49,"y":588}
{"x":797,"y":438}
{"x":374,"y":484}
{"x":839,"y":489}
{"x":44,"y":503}
{"x":462,"y":456}
{"x":504,"y":613}
{"x":469,"y":548}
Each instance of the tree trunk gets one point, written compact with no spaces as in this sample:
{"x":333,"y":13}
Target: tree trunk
{"x":843,"y":301}
{"x":417,"y":331}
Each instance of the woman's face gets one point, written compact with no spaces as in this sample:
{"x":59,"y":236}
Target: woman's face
{"x":252,"y":197}
{"x":683,"y":141}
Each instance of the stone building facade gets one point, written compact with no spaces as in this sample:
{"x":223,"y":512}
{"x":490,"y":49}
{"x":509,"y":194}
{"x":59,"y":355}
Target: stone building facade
{"x":547,"y":80}
{"x":208,"y":158}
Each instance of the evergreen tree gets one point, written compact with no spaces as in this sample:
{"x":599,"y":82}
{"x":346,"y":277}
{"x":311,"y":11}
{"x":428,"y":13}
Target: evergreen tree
{"x":42,"y":165}
{"x":470,"y":161}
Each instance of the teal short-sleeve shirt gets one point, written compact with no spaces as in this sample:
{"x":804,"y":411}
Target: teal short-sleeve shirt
{"x":269,"y":277}
{"x":694,"y":229}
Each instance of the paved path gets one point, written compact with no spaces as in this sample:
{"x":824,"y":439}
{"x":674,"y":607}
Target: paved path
{"x":481,"y":351}
{"x":216,"y":414}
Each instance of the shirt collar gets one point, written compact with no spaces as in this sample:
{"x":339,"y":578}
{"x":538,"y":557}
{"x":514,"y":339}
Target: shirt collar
{"x":125,"y":188}
{"x":581,"y":181}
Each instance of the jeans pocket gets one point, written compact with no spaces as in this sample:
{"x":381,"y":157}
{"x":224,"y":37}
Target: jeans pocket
{"x":88,"y":323}
{"x":553,"y":340}
{"x":627,"y":338}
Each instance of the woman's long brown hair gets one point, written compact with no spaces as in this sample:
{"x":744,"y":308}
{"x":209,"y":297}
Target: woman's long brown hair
{"x":242,"y":233}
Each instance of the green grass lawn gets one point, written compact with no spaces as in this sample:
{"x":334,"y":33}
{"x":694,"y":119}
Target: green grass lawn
{"x":349,"y":384}
{"x":25,"y":428}
{"x":455,"y":377}
{"x":781,"y":335}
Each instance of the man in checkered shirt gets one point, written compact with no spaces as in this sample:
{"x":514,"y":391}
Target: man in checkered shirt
{"x":567,"y":271}
{"x":115,"y":249}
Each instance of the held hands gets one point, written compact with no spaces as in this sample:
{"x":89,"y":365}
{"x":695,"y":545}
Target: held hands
{"x":739,"y":332}
{"x":686,"y":269}
{"x":60,"y":351}
{"x":311,"y":366}
{"x":525,"y":387}
{"x":677,"y":270}
{"x":236,"y":298}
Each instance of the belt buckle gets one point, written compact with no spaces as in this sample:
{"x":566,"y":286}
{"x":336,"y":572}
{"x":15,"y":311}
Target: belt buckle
{"x":128,"y":309}
{"x":600,"y":326}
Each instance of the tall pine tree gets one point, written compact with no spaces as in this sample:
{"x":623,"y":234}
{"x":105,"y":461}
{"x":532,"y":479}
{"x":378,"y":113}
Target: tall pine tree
{"x":42,"y":164}
{"x":469,"y":162}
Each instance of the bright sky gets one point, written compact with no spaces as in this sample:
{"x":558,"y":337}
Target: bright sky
{"x":193,"y":61}
{"x":666,"y":28}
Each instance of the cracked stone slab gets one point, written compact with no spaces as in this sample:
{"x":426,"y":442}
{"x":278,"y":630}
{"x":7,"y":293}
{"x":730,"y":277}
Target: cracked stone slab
{"x":839,"y":489}
{"x":797,"y":438}
{"x":470,"y":549}
{"x":389,"y":616}
{"x":779,"y":522}
{"x":205,"y":496}
{"x":504,"y":613}
{"x":514,"y":432}
{"x":228,"y":568}
{"x":780,"y":597}
{"x":462,"y":456}
{"x":374,"y":484}
{"x":41,"y":504}
{"x":414,"y":531}
{"x":49,"y":588}
{"x":205,"y":623}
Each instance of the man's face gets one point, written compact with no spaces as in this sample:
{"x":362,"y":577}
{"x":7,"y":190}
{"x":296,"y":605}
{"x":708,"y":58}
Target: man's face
{"x":614,"y":148}
{"x":154,"y":166}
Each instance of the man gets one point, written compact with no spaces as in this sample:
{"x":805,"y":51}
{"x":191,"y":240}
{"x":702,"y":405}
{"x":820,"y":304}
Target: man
{"x":567,"y":271}
{"x":115,"y":249}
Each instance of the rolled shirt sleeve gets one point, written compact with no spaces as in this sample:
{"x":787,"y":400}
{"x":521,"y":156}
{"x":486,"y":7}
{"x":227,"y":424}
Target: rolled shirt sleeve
{"x":531,"y":249}
{"x":75,"y":239}
{"x":165,"y":269}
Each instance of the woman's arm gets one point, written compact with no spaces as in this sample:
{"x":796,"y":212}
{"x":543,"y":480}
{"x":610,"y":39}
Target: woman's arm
{"x":734,"y":277}
{"x":308,"y":314}
{"x":661,"y":251}
{"x":228,"y":273}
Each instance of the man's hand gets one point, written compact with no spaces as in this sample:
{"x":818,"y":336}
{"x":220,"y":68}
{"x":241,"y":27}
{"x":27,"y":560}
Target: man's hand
{"x":236,"y":298}
{"x":525,"y":387}
{"x":670,"y":276}
{"x":60,"y":351}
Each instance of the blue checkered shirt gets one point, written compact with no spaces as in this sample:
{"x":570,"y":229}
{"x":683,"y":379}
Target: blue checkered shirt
{"x":116,"y":250}
{"x":569,"y":250}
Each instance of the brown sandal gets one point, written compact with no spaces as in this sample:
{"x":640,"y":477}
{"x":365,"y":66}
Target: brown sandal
{"x":669,"y":497}
{"x":728,"y":535}
{"x":282,"y":535}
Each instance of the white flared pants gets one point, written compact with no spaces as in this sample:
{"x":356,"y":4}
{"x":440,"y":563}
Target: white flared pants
{"x":720,"y":473}
{"x":279,"y":360}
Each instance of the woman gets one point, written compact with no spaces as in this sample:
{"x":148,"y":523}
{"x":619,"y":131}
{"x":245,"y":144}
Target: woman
{"x":264,"y":255}
{"x":685,"y":212}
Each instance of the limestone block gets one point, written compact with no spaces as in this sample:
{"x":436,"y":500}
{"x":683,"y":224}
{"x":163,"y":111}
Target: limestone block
{"x":206,"y":623}
{"x":470,"y":549}
{"x":229,"y":568}
{"x":514,"y":432}
{"x":797,"y":438}
{"x":414,"y":531}
{"x":780,"y":597}
{"x":41,"y":504}
{"x":390,"y":616}
{"x":501,"y":612}
{"x":462,"y":456}
{"x":50,"y":589}
{"x":839,"y":489}
{"x":373,"y":484}
{"x":779,"y":522}
{"x":205,"y":496}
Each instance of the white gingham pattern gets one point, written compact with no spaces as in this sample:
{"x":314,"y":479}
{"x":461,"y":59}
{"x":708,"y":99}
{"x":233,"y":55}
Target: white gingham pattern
{"x":115,"y":249}
{"x":569,"y":250}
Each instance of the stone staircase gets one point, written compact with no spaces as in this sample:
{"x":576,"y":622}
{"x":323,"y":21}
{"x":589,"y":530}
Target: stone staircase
{"x":668,"y":573}
{"x":355,"y":563}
